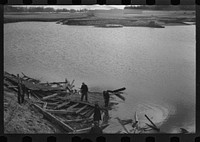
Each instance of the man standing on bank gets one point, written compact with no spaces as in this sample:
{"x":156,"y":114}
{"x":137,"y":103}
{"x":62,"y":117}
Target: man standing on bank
{"x":84,"y":91}
{"x":19,"y":88}
{"x":97,"y":114}
{"x":106,"y":97}
{"x":20,"y":93}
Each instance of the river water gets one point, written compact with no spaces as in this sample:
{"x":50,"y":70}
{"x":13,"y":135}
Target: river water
{"x":157,"y":66}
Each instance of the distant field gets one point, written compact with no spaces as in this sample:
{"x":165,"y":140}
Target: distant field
{"x":102,"y":18}
{"x":19,"y":17}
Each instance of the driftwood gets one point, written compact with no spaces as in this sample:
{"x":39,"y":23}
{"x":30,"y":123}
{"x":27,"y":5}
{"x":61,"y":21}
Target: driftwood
{"x":54,"y":119}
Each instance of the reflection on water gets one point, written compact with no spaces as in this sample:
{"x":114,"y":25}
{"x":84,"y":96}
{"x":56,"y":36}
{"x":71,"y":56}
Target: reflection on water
{"x":157,"y":66}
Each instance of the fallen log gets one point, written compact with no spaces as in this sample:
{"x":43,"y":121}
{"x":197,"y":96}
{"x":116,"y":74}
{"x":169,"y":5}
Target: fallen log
{"x":54,"y":119}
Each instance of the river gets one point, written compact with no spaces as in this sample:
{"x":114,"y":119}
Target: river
{"x":157,"y":66}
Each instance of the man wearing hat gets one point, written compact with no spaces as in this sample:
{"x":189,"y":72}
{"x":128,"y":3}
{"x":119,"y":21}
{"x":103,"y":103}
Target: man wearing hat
{"x":84,"y":91}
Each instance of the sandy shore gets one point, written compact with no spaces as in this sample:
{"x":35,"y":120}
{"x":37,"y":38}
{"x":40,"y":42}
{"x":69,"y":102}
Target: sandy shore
{"x":23,"y":118}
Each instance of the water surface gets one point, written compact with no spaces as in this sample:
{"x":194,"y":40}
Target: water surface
{"x":157,"y":66}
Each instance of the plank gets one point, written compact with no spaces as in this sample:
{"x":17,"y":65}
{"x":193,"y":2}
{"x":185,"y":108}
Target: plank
{"x":79,"y":120}
{"x":89,"y":113}
{"x":117,"y":90}
{"x":89,"y":104}
{"x":12,"y":86}
{"x":76,"y":104}
{"x":86,"y":111}
{"x":119,"y":120}
{"x":119,"y":96}
{"x":50,"y":96}
{"x":54,"y":119}
{"x":84,"y":130}
{"x":61,"y":105}
{"x":81,"y":109}
{"x":58,"y":111}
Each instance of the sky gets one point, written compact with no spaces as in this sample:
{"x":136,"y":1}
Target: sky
{"x":78,"y":7}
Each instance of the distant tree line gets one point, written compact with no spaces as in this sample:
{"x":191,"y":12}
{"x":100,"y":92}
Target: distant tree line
{"x":8,"y":8}
{"x":162,"y":7}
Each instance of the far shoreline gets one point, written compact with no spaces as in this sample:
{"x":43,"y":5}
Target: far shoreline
{"x":85,"y":19}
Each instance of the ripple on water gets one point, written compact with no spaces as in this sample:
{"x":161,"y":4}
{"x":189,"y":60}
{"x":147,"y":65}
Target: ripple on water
{"x":157,"y":113}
